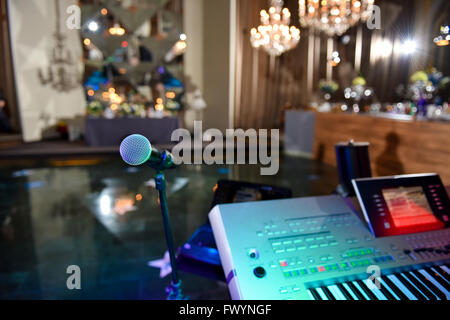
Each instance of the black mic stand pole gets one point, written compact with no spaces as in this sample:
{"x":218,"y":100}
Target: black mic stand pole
{"x":175,"y":290}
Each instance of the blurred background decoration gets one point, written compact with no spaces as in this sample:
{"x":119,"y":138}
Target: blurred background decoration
{"x":133,"y":53}
{"x":274,"y":34}
{"x":333,"y":17}
{"x":62,"y":71}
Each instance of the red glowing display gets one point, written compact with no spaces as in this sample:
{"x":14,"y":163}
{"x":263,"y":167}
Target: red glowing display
{"x":408,"y":207}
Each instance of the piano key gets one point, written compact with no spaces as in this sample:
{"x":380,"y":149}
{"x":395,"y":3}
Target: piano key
{"x":410,"y":287}
{"x":328,"y":293}
{"x":367,"y":291}
{"x":445,"y":272}
{"x":345,"y":292}
{"x":402,"y":287}
{"x":322,"y":294}
{"x":314,"y":294}
{"x":425,"y":291}
{"x":441,"y":273}
{"x":373,"y":287}
{"x":388,"y":283}
{"x":436,"y":283}
{"x":430,"y":285}
{"x":446,"y":268}
{"x":436,"y":276}
{"x":336,"y":292}
{"x":386,"y":291}
{"x":356,"y":291}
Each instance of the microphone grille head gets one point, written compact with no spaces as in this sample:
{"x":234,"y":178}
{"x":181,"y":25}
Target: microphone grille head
{"x":135,"y":149}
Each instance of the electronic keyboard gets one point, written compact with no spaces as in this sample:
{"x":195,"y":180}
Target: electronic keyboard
{"x":318,"y":248}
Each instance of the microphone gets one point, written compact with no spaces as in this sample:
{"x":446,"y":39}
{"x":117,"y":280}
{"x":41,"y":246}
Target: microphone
{"x":136,"y":150}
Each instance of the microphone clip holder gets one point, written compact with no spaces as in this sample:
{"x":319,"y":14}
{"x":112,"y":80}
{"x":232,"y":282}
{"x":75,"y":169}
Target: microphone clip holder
{"x":162,"y":163}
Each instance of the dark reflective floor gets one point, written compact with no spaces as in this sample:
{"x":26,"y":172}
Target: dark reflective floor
{"x":104,"y":217}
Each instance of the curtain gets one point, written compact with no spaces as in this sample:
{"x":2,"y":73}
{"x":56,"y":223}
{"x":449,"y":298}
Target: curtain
{"x":266,"y":86}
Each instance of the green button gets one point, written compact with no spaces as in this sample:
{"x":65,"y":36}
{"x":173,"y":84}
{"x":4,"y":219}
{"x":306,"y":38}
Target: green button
{"x":334,"y":266}
{"x":313,"y":270}
{"x":287,"y":274}
{"x":354,"y":264}
{"x":303,"y":271}
{"x":295,"y":273}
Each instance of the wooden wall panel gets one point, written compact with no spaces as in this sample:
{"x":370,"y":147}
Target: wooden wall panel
{"x":396,"y":147}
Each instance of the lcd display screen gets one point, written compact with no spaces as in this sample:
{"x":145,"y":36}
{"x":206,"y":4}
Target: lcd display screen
{"x":404,"y":204}
{"x":409,"y":207}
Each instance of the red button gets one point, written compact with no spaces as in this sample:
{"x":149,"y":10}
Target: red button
{"x":321,"y":268}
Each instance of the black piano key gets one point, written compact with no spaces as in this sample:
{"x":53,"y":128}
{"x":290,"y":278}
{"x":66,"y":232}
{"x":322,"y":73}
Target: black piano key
{"x":410,"y":287}
{"x":429,"y":285}
{"x":443,"y":273}
{"x":386,"y":292}
{"x":420,"y":286}
{"x":315,"y":294}
{"x":347,"y":295}
{"x":367,"y":290}
{"x":356,"y":291}
{"x":328,"y":293}
{"x":394,"y":288}
{"x":438,"y":278}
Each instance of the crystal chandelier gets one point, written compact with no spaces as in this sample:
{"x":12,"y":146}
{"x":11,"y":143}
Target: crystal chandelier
{"x":333,"y":16}
{"x":274,"y":34}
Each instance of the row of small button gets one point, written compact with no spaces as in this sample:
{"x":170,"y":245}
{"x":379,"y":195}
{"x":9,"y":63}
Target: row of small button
{"x":381,"y":259}
{"x":302,"y":247}
{"x":336,"y":267}
{"x":358,"y":253}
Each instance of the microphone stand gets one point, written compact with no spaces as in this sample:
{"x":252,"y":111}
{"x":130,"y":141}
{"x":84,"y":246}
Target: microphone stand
{"x":174,"y":290}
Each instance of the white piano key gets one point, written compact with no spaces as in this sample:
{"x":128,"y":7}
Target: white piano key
{"x":400,"y":285}
{"x":435,"y":268}
{"x":321,"y":294}
{"x":388,"y":288}
{"x":424,"y":284}
{"x":311,"y":295}
{"x":436,"y":284}
{"x":372,"y":287}
{"x":356,"y":284}
{"x":445,"y":268}
{"x":336,"y":292}
{"x":412,"y":284}
{"x":350,"y":291}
